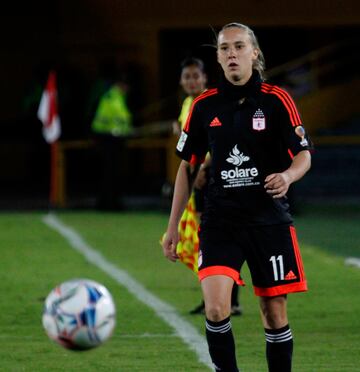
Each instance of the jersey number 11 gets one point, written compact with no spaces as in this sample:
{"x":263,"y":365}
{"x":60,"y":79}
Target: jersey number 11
{"x":280,"y":262}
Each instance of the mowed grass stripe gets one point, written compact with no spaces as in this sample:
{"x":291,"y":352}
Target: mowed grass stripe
{"x":325,"y":321}
{"x":33,"y":259}
{"x":182,"y":328}
{"x":322,"y":319}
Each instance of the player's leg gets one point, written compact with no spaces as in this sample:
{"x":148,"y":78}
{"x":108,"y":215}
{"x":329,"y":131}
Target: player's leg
{"x":279,"y":341}
{"x":276,"y":269}
{"x":273,"y":311}
{"x":217,"y":296}
{"x":220,"y":260}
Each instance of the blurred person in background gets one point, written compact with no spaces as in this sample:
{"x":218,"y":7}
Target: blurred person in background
{"x":193,"y":81}
{"x":258,"y":147}
{"x":111,"y":125}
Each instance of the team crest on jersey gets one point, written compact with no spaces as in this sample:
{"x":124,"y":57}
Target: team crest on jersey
{"x":258,"y":120}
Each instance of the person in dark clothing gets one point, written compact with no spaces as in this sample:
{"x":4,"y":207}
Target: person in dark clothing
{"x":111,"y":126}
{"x":193,"y":82}
{"x":258,"y":148}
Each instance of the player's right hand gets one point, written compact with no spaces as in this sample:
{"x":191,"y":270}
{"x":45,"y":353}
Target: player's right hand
{"x":169,"y":244}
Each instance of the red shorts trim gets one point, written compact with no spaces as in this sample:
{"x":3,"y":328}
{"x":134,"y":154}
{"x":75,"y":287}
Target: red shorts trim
{"x":281,"y":289}
{"x":297,"y":254}
{"x":220,"y":270}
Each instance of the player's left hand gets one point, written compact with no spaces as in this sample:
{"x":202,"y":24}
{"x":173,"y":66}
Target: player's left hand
{"x":277,"y":184}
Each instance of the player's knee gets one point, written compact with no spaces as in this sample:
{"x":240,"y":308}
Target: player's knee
{"x":216,"y":312}
{"x":274,"y":312}
{"x":275,"y":321}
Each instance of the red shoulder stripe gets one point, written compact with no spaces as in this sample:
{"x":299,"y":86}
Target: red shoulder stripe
{"x":288,"y":103}
{"x":207,"y":93}
{"x":290,"y":100}
{"x":286,"y":100}
{"x":288,"y":108}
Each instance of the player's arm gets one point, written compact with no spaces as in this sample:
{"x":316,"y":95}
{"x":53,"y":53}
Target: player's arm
{"x":191,"y":147}
{"x":296,"y":140}
{"x":277,"y":184}
{"x":183,"y":185}
{"x":202,"y":176}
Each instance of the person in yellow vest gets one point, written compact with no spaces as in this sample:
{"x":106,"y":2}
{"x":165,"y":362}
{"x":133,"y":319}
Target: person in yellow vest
{"x":193,"y":81}
{"x":111,"y":125}
{"x":112,"y":115}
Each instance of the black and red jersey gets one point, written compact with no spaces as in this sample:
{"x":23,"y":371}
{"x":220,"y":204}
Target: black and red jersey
{"x":251,"y":131}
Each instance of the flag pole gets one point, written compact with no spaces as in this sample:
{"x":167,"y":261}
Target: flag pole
{"x":53,"y":193}
{"x":49,"y":116}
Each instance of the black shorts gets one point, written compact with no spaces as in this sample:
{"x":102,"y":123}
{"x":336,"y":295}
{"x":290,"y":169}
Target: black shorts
{"x":271,"y":252}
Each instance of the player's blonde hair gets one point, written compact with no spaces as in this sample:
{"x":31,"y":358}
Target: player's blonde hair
{"x":259,"y":63}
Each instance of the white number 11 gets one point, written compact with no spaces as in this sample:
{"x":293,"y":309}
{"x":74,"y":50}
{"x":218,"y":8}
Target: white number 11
{"x":273,"y":260}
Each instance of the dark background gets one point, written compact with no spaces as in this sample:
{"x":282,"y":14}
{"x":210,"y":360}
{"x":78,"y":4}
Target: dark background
{"x":83,"y":40}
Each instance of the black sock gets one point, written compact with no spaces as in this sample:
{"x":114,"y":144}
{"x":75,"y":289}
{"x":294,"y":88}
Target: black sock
{"x":221,"y":345}
{"x":279,"y":348}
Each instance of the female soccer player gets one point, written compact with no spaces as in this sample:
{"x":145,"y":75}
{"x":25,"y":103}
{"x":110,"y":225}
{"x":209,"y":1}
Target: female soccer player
{"x":258,"y":147}
{"x":193,"y":81}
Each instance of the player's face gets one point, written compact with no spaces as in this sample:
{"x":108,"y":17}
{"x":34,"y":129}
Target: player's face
{"x":236,"y":55}
{"x":192,"y":80}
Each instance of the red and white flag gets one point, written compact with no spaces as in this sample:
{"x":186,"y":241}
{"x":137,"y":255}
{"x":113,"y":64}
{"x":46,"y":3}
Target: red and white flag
{"x":48,"y":110}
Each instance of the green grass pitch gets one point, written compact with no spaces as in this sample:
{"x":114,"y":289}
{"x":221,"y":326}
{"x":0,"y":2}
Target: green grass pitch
{"x":325,"y":321}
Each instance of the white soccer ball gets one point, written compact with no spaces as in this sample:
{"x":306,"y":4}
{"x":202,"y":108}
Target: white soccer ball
{"x":79,"y":314}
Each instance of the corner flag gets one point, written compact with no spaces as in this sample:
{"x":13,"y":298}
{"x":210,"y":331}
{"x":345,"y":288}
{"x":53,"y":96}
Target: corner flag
{"x":48,"y":110}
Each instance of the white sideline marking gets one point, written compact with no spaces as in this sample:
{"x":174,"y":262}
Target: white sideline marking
{"x":352,"y":261}
{"x":166,"y":312}
{"x":125,"y":336}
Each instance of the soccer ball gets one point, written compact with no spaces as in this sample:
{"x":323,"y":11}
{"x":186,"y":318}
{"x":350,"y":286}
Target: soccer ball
{"x":79,"y":314}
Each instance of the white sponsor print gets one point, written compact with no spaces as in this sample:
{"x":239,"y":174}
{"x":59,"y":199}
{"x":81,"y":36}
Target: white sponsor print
{"x":239,"y":173}
{"x":181,"y":143}
{"x":239,"y":177}
{"x":236,"y":157}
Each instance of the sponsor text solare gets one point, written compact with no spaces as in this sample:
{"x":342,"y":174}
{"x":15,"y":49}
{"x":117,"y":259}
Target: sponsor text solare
{"x":239,"y":173}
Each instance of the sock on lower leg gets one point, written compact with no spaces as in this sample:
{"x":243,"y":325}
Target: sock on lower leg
{"x":279,"y":349}
{"x":221,"y":345}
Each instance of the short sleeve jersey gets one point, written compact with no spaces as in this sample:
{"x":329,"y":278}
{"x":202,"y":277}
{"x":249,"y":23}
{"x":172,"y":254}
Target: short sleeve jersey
{"x":251,"y":131}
